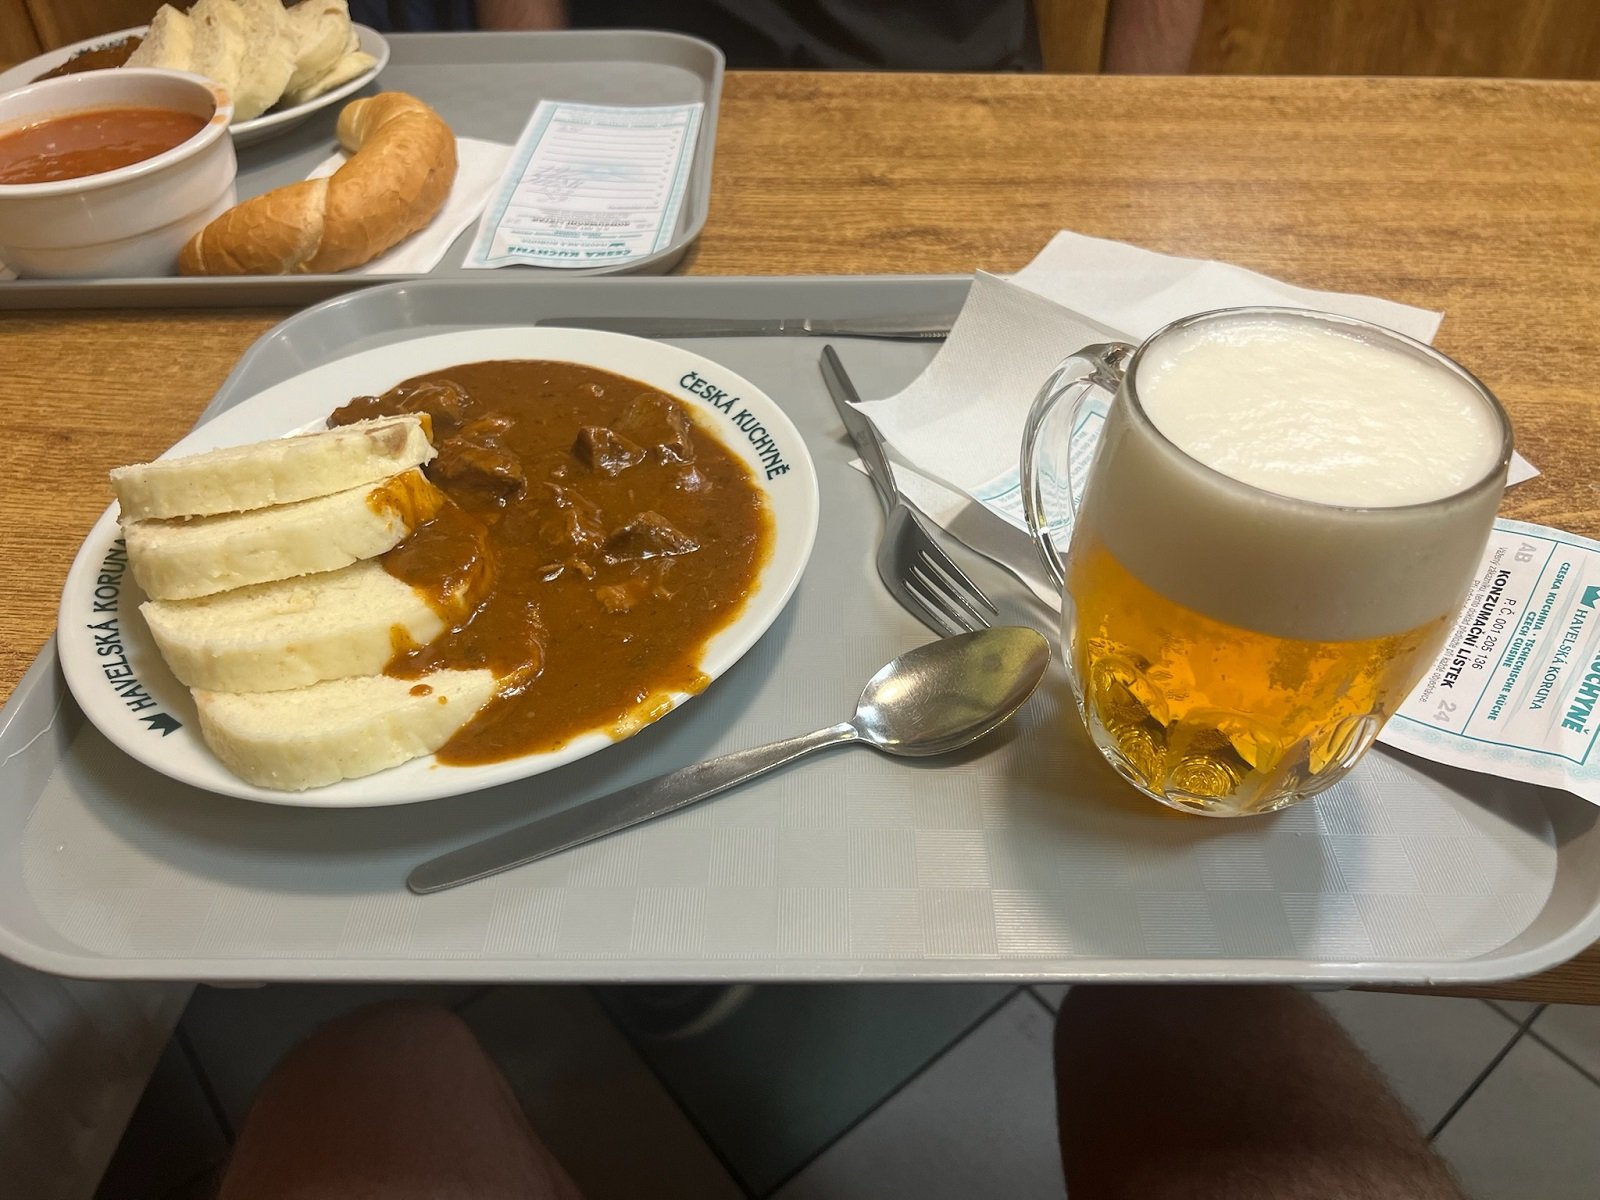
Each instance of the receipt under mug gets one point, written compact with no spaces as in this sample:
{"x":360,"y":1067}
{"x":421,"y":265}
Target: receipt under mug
{"x":1516,"y":691}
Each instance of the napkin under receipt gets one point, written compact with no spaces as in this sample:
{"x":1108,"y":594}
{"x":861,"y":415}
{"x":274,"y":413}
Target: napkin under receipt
{"x":478,"y":167}
{"x":1520,"y":703}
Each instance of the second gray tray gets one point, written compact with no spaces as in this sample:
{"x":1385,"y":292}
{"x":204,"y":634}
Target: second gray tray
{"x":1023,"y":857}
{"x":486,"y":86}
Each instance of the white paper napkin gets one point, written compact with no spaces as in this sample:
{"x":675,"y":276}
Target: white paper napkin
{"x":955,"y":431}
{"x":478,"y":166}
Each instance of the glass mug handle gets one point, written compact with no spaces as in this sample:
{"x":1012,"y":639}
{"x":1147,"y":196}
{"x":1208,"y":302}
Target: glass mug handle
{"x":1101,"y":365}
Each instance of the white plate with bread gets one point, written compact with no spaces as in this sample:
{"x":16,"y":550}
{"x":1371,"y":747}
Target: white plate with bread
{"x":306,"y":711}
{"x":284,"y":74}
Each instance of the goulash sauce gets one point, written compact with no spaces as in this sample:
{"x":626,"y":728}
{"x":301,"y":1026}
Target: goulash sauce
{"x":96,"y":58}
{"x":593,"y":542}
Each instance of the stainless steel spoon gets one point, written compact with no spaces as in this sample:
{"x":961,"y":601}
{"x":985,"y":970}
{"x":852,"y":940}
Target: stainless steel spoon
{"x":936,"y":698}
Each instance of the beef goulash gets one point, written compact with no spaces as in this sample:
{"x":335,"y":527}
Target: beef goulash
{"x":95,"y":58}
{"x":480,"y":563}
{"x":618,"y":538}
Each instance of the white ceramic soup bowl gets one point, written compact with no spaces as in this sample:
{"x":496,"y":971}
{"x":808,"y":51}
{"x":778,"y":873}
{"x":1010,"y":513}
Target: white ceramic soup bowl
{"x":132,"y":220}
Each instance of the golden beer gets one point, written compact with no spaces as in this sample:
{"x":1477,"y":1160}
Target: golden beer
{"x":1219,"y":719}
{"x":1281,"y":521}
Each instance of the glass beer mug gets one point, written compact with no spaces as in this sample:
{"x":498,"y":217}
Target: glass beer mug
{"x":1274,"y":539}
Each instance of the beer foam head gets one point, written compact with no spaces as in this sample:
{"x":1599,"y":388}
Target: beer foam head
{"x":1318,"y":412}
{"x":1314,"y":526}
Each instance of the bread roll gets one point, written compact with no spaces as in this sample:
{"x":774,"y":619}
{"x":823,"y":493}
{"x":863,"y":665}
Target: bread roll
{"x":197,"y":556}
{"x":402,"y":165}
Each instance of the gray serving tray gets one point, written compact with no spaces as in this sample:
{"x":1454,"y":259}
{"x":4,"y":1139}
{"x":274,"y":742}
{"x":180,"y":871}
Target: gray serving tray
{"x":486,"y":86}
{"x":1023,"y":858}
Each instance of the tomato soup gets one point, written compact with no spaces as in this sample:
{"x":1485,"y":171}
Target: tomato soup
{"x":92,"y":142}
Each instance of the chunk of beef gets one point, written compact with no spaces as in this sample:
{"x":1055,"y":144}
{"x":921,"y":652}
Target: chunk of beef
{"x":477,"y":468}
{"x":448,"y":558}
{"x":648,"y":535}
{"x":446,"y":403}
{"x":574,"y":522}
{"x":606,"y":451}
{"x":657,"y":422}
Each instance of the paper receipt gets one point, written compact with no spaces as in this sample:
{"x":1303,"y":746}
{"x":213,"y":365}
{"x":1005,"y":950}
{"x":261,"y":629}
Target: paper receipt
{"x":1516,"y":691}
{"x":589,"y":185}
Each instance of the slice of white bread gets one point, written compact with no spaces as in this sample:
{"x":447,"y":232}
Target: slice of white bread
{"x":219,"y":42}
{"x":186,"y":557}
{"x":280,"y":471}
{"x":296,"y":632}
{"x":269,"y":60}
{"x":319,"y":29}
{"x":341,"y":729}
{"x":347,"y":68}
{"x":168,"y":43}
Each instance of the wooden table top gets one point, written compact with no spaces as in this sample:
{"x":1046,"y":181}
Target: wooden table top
{"x":1480,"y":198}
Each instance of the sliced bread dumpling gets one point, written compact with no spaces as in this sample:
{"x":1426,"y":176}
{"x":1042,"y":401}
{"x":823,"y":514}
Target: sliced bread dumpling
{"x":341,"y":729}
{"x":280,"y":471}
{"x":186,"y":557}
{"x":319,"y":29}
{"x":269,"y":62}
{"x":219,"y":42}
{"x":168,"y":43}
{"x":347,"y":68}
{"x":296,"y":632}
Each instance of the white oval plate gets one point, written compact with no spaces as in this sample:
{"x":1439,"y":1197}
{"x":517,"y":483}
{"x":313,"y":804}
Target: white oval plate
{"x":119,"y":679}
{"x":245,"y":133}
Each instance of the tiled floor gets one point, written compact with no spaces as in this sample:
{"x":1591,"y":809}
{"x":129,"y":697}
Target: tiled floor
{"x":862,"y":1092}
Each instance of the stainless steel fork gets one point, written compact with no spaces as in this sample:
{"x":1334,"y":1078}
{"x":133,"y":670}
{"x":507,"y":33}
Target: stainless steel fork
{"x":911,"y":563}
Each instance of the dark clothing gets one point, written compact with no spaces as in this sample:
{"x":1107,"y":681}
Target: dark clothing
{"x":413,"y":16}
{"x":900,"y":35}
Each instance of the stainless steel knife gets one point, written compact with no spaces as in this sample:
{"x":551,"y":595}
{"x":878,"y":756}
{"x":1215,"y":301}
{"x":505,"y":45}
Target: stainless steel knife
{"x":868,"y":442}
{"x":926,"y":327}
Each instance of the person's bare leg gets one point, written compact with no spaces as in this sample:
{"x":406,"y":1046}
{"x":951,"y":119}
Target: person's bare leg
{"x":394,"y":1102}
{"x":1232,"y":1093}
{"x":1151,"y":37}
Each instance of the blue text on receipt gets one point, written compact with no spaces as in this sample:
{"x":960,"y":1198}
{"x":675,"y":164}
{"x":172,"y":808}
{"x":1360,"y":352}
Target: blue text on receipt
{"x":1516,"y":690}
